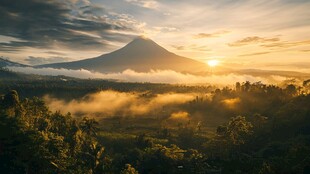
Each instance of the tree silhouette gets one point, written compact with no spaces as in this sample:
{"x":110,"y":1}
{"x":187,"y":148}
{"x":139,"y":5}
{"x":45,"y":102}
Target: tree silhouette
{"x":11,"y":99}
{"x":89,"y":126}
{"x":236,"y":130}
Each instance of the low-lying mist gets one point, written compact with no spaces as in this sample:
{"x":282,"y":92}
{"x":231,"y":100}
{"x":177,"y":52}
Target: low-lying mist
{"x":155,"y":76}
{"x":113,"y":103}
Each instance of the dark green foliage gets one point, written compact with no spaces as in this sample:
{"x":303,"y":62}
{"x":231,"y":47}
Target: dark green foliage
{"x":254,"y":128}
{"x":34,"y":140}
{"x":89,"y":126}
{"x":129,"y":170}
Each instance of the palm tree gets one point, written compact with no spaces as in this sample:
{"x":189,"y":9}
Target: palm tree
{"x":89,"y":126}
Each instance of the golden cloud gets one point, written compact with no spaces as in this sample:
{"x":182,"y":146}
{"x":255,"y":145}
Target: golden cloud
{"x":194,"y":47}
{"x":286,"y":44}
{"x":208,"y":35}
{"x":253,"y":40}
{"x":254,"y":54}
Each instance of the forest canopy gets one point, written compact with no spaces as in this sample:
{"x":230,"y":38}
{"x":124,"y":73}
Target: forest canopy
{"x":250,"y":128}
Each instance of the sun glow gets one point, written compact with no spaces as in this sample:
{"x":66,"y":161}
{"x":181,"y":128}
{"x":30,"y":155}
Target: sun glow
{"x":213,"y":63}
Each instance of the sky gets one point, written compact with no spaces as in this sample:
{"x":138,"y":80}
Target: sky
{"x":245,"y":34}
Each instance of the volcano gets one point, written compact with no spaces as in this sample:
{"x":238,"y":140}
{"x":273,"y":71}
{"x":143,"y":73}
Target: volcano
{"x":141,"y":55}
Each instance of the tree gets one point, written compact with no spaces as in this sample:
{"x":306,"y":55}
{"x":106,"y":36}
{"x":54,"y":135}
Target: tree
{"x":11,"y":103}
{"x":266,"y":169}
{"x":238,"y":86}
{"x":129,"y":170}
{"x":246,"y":86}
{"x":291,"y":89}
{"x":236,"y":130}
{"x":89,"y":126}
{"x":142,"y":141}
{"x":11,"y":99}
{"x":258,"y":120}
{"x":93,"y":156}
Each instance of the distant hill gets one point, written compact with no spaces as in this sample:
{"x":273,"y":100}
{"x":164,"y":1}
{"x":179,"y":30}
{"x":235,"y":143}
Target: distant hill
{"x":8,"y":75}
{"x":8,"y":63}
{"x":141,"y":55}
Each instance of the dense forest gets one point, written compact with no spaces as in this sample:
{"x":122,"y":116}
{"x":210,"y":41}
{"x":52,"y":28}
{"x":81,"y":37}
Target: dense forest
{"x":247,"y":128}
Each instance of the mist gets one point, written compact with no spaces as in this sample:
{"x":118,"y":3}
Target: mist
{"x":113,"y":103}
{"x":155,"y":76}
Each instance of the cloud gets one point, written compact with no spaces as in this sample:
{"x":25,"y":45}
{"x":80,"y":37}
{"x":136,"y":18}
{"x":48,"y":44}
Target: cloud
{"x":194,"y":47}
{"x":159,"y":76}
{"x":254,"y":54}
{"x":61,"y":24}
{"x":208,"y":35}
{"x":151,"y":4}
{"x":83,"y":74}
{"x":42,"y":60}
{"x":253,"y":40}
{"x":166,"y":29}
{"x":272,"y":43}
{"x":304,"y":50}
{"x":113,"y":103}
{"x":286,"y":44}
{"x":295,"y":65}
{"x":55,"y":53}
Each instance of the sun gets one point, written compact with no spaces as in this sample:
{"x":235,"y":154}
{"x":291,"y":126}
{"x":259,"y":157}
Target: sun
{"x":213,"y":63}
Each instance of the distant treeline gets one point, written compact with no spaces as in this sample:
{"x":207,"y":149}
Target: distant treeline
{"x":72,"y":88}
